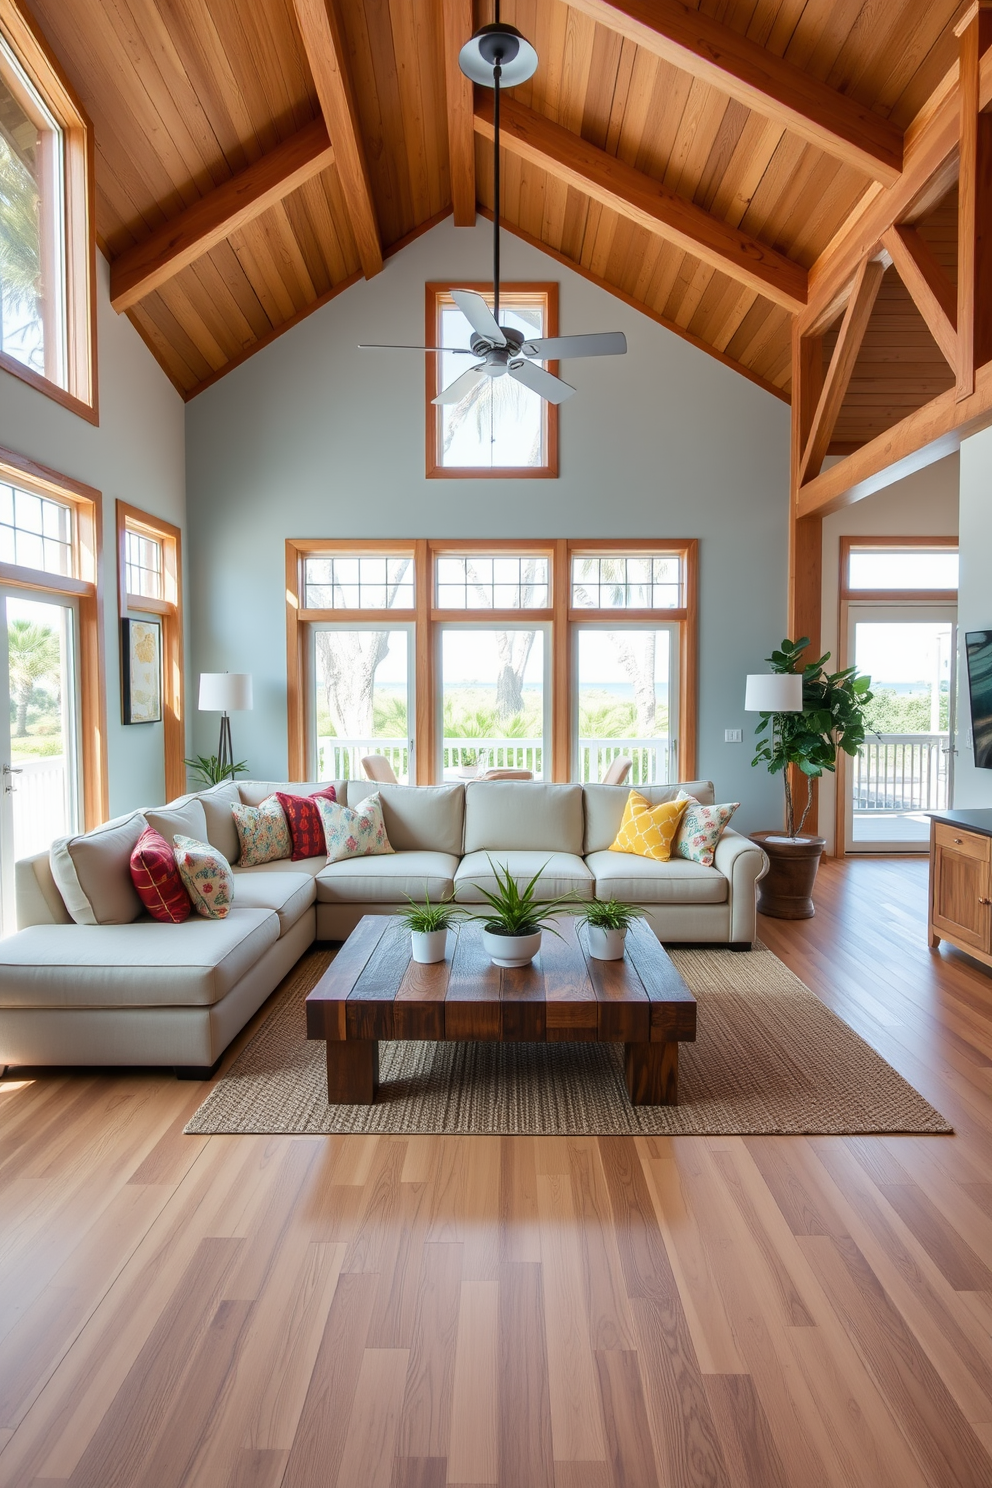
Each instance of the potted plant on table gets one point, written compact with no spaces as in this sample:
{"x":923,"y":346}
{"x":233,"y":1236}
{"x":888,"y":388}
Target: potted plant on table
{"x":608,"y":921}
{"x":428,"y":925}
{"x":831,"y":718}
{"x":513,"y":923}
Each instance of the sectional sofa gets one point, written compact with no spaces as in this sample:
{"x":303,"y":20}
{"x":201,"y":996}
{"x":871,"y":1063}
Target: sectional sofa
{"x":90,"y":979}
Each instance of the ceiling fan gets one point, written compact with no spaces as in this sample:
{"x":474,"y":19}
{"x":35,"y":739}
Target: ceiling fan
{"x":498,"y":55}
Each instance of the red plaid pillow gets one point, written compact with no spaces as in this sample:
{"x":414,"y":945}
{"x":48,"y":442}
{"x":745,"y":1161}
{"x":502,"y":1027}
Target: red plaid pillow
{"x":156,"y":878}
{"x":305,"y":826}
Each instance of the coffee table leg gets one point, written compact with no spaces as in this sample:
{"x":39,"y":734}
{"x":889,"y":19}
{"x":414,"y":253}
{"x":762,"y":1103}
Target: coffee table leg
{"x":652,"y":1074}
{"x":352,"y":1071}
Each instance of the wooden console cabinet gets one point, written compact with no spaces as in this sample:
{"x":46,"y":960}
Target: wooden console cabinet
{"x":961,"y":881}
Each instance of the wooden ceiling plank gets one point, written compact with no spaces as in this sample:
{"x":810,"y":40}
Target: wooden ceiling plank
{"x":325,"y":49}
{"x":645,"y":201}
{"x":845,"y":354}
{"x":694,"y":42}
{"x":149,"y":265}
{"x":930,"y":287}
{"x":457,"y":20}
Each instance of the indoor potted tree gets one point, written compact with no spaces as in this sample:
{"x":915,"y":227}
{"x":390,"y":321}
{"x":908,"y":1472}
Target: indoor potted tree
{"x":828,"y":714}
{"x":513,"y":924}
{"x":428,"y":925}
{"x":608,"y":921}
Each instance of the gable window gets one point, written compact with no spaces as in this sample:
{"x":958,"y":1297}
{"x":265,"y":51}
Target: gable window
{"x":499,"y":427}
{"x":46,"y":246}
{"x":149,"y":582}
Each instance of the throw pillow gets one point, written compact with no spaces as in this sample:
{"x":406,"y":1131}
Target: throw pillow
{"x":156,"y":878}
{"x":263,"y":833}
{"x":305,"y":826}
{"x":701,"y":828}
{"x":648,"y":830}
{"x":354,"y":834}
{"x":207,"y":876}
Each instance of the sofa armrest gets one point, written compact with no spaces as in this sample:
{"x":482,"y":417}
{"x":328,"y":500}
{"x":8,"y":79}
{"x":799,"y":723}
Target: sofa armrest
{"x":742,"y":863}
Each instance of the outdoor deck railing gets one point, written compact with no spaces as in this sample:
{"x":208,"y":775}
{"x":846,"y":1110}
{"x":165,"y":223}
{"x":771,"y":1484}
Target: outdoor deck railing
{"x":341,"y":759}
{"x":41,"y":808}
{"x":651,"y":759}
{"x":901,"y":772}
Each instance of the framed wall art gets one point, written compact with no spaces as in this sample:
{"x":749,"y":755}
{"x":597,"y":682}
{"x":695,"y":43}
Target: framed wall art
{"x":141,"y":666}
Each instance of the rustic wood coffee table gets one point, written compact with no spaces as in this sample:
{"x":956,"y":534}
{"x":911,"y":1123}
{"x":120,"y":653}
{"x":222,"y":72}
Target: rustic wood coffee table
{"x":373,"y":990}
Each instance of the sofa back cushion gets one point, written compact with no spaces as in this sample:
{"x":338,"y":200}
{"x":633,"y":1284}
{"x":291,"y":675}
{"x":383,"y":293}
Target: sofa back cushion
{"x":92,"y":872}
{"x":524,"y":814}
{"x":604,"y":806}
{"x":254,"y":792}
{"x":418,"y":818}
{"x":217,"y":801}
{"x":184,"y":817}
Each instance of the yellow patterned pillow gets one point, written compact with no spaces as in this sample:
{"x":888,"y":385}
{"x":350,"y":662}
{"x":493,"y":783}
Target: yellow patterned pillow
{"x":647,"y":830}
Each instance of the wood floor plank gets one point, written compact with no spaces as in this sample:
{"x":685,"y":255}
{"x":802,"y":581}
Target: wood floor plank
{"x":369,"y":1451}
{"x":632,"y":1455}
{"x":425,"y":1422}
{"x":748,"y":1442}
{"x":523,"y":1433}
{"x":472,"y":1453}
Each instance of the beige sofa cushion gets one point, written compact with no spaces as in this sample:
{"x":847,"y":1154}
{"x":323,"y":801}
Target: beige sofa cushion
{"x":523,"y":815}
{"x":184,"y":817}
{"x":254,"y":792}
{"x":647,"y":881}
{"x":92,"y":872}
{"x":428,"y":817}
{"x":564,"y":873}
{"x":388,"y":879}
{"x":281,"y":865}
{"x":604,"y":806}
{"x":287,"y":894}
{"x":147,"y":964}
{"x":222,"y":834}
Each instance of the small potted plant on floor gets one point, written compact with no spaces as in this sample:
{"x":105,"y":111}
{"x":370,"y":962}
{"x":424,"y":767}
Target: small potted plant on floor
{"x":608,"y":921}
{"x":515,"y":919}
{"x":428,"y":925}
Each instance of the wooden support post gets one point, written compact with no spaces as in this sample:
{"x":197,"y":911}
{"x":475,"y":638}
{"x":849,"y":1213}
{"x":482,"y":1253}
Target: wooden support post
{"x":866,"y":285}
{"x":458,"y":27}
{"x":805,"y":533}
{"x":931,"y":290}
{"x":974,"y":202}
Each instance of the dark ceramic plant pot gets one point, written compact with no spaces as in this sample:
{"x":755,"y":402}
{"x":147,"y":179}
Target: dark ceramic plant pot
{"x":786,"y":889}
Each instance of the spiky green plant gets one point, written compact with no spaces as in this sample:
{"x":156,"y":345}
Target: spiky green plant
{"x":516,"y":911}
{"x":211,"y":771}
{"x":610,"y":914}
{"x":427,"y":917}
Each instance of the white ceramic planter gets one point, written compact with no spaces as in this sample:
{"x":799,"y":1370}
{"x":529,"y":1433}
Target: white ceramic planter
{"x":428,"y":946}
{"x":606,"y":945}
{"x":511,"y":950}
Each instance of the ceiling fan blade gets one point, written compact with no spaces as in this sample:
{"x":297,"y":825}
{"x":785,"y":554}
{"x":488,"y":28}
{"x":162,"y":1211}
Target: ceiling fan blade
{"x":602,"y":343}
{"x":455,"y":391}
{"x":478,"y":315}
{"x":391,"y":346}
{"x":551,"y":388}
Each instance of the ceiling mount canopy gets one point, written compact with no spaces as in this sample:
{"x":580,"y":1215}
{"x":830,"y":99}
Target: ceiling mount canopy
{"x":498,"y":45}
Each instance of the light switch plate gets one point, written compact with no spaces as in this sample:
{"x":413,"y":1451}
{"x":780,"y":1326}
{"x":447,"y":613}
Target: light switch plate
{"x":733,"y":736}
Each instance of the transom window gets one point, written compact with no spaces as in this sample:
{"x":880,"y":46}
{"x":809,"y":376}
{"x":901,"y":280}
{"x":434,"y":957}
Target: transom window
{"x":480,"y":582}
{"x":143,"y":565}
{"x":616,"y":581}
{"x":914,"y":568}
{"x":36,"y":532}
{"x":359,"y":583}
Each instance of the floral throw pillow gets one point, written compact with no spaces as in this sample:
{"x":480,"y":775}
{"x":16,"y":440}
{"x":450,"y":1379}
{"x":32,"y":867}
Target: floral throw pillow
{"x":156,"y":878}
{"x":701,"y":828}
{"x":263,"y":833}
{"x":207,"y":877}
{"x":354,"y":834}
{"x":305,"y":826}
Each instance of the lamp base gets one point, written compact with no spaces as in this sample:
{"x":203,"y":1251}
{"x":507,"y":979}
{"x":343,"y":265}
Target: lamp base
{"x":225,"y":750}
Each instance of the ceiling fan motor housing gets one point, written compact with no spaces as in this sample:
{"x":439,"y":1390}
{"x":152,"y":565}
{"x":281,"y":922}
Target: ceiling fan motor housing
{"x":502,"y":44}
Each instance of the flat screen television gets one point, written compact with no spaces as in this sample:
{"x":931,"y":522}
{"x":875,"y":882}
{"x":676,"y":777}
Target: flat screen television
{"x":978,"y":644}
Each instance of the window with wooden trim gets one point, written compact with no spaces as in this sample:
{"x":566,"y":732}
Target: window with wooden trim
{"x":47,"y":250}
{"x":149,"y":581}
{"x":499,"y":427}
{"x":506,"y":655}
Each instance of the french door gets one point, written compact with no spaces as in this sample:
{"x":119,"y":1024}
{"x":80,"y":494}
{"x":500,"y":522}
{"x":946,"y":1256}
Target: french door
{"x":361,"y":698}
{"x":39,"y":730}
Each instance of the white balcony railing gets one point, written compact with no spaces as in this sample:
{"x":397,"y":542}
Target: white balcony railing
{"x":493,"y":754}
{"x":652,"y":759}
{"x":901,"y":772}
{"x":41,"y":803}
{"x":341,"y":759}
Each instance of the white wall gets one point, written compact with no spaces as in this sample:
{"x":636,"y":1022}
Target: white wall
{"x":973,"y":787}
{"x":925,"y":504}
{"x":313,"y":438}
{"x":135,"y":454}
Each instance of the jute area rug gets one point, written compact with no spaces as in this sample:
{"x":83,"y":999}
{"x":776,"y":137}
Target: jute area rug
{"x":769,"y":1057}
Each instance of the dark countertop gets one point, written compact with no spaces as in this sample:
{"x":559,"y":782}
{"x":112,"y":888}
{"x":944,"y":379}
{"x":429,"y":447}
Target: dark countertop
{"x":976,"y":820}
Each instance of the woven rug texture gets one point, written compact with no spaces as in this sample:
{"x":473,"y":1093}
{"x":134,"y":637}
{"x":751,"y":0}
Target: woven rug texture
{"x":769,"y":1058}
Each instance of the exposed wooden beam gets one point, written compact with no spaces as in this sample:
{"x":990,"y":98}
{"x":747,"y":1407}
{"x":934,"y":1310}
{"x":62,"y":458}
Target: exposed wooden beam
{"x":711,"y":51}
{"x":149,"y":265}
{"x":931,"y":289}
{"x":645,"y":201}
{"x":974,"y":308}
{"x":806,"y":533}
{"x":845,"y":354}
{"x":326,"y":51}
{"x":458,"y":24}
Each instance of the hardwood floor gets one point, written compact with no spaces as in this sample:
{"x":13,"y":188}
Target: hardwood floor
{"x":250,"y":1312}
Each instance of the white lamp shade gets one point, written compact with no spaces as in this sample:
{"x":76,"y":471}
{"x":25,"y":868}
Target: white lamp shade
{"x":225,"y":692}
{"x":774,"y":692}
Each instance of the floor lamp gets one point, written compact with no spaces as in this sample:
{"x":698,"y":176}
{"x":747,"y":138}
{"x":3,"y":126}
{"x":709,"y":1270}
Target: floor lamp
{"x":225,"y":693}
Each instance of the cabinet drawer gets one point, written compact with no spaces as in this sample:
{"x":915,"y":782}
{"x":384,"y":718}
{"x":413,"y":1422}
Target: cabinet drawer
{"x":959,"y":840}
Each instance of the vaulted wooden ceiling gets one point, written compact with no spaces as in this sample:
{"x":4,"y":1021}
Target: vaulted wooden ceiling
{"x":696,"y":159}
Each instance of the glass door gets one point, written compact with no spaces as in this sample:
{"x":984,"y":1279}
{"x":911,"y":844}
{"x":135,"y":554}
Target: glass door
{"x":494,"y":699}
{"x":625,"y":701}
{"x":361,"y":699}
{"x":906,"y":767}
{"x":39,"y":732}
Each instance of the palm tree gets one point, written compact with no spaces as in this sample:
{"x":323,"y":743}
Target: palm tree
{"x":20,"y":267}
{"x":636,"y":651}
{"x":34,"y":654}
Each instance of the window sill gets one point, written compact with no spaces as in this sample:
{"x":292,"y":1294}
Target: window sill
{"x":83,"y":410}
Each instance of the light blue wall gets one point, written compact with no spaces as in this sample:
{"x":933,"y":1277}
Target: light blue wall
{"x":973,"y":787}
{"x":135,"y":454}
{"x":312,"y":438}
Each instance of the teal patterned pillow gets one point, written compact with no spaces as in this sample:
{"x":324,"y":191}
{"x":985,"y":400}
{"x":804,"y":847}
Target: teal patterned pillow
{"x":353,"y":834}
{"x":207,"y":876}
{"x":263,"y":833}
{"x":701,"y":828}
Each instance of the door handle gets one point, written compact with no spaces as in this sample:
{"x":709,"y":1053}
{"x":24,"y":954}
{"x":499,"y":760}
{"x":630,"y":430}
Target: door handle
{"x":984,"y":901}
{"x":10,"y":770}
